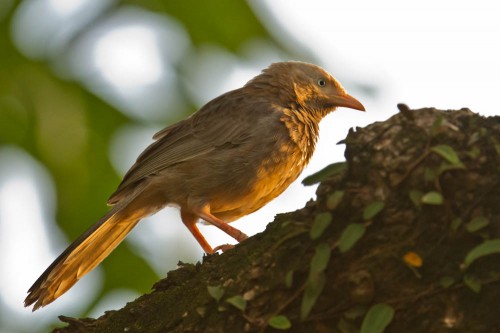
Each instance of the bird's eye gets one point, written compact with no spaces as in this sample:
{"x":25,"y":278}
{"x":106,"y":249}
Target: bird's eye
{"x":321,"y":83}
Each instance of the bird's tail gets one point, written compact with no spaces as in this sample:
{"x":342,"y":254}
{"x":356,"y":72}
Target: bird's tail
{"x":85,"y":253}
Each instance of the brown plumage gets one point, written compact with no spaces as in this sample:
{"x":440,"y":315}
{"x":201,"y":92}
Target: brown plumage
{"x":234,"y":155}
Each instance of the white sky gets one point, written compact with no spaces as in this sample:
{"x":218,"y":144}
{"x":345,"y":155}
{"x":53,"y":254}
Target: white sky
{"x":426,"y":53}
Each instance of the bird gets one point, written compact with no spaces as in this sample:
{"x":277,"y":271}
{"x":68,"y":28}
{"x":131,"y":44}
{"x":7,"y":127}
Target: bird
{"x":231,"y":157}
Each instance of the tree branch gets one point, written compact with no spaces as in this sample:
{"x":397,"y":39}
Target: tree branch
{"x":418,"y":193}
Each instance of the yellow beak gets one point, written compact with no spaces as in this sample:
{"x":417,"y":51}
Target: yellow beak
{"x":347,"y":101}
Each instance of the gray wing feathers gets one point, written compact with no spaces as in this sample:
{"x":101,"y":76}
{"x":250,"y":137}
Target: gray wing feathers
{"x":228,"y":119}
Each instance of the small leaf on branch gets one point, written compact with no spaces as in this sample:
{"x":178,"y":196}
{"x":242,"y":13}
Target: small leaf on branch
{"x":372,"y":210}
{"x":477,"y":223}
{"x":324,"y":173}
{"x":280,"y":322}
{"x":377,"y":318}
{"x":486,"y":248}
{"x":321,"y":257}
{"x":334,"y":199}
{"x":432,"y":198}
{"x":351,"y":234}
{"x":448,"y":153}
{"x":238,"y":302}
{"x":216,"y":292}
{"x":314,"y":286}
{"x":321,"y":222}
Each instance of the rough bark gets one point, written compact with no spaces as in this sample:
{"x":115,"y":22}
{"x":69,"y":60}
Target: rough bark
{"x":410,"y":256}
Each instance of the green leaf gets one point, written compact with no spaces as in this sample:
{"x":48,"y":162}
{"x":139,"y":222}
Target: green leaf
{"x":334,"y":199}
{"x":377,"y":318}
{"x":446,"y":281}
{"x":445,"y":167}
{"x":447,"y":153}
{"x":429,"y":175}
{"x":372,"y":210}
{"x":473,"y":283}
{"x":238,"y":302}
{"x":486,"y":248}
{"x":202,"y":311}
{"x":324,"y":173}
{"x":321,"y":257}
{"x":416,"y":197}
{"x":477,"y":223}
{"x":314,"y":286}
{"x":216,"y":292}
{"x":474,"y":153}
{"x":456,"y":223}
{"x":436,"y":125}
{"x":316,"y":279}
{"x":432,"y":198}
{"x":351,"y":234}
{"x":321,"y":222}
{"x":289,"y":279}
{"x":279,"y":322}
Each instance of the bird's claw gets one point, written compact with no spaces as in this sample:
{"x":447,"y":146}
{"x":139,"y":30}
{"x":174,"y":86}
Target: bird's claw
{"x":223,"y":247}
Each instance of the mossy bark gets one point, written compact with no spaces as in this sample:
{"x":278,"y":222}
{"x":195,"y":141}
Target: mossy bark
{"x":410,"y":256}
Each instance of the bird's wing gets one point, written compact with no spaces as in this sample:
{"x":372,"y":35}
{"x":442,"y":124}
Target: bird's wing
{"x":224,"y":121}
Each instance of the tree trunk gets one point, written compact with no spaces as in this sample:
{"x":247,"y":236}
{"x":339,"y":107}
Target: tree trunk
{"x":405,"y":235}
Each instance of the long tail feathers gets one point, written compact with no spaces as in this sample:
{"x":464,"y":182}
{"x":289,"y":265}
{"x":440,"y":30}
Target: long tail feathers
{"x":83,"y":255}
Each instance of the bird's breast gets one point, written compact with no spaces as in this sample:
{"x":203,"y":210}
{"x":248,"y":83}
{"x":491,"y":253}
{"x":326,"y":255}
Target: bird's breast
{"x":274,"y":172}
{"x":273,"y":160}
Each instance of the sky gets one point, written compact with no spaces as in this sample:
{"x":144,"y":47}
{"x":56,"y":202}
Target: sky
{"x":427,"y":53}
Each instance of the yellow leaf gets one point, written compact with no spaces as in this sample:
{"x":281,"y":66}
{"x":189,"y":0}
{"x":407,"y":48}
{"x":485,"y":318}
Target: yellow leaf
{"x":413,"y":259}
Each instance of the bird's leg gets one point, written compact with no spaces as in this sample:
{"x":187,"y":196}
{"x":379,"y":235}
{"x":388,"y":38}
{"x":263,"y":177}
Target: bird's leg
{"x":204,"y":213}
{"x":189,"y":221}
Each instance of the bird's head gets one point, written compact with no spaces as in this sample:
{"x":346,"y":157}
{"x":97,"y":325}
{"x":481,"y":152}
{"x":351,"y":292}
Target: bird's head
{"x":315,"y":89}
{"x":312,"y":87}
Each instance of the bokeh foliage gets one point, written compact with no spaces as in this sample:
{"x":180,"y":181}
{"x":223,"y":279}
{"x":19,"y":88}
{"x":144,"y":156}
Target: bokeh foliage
{"x":68,"y":129}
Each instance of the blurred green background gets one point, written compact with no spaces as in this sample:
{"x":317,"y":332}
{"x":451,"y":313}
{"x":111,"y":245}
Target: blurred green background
{"x":67,"y":105}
